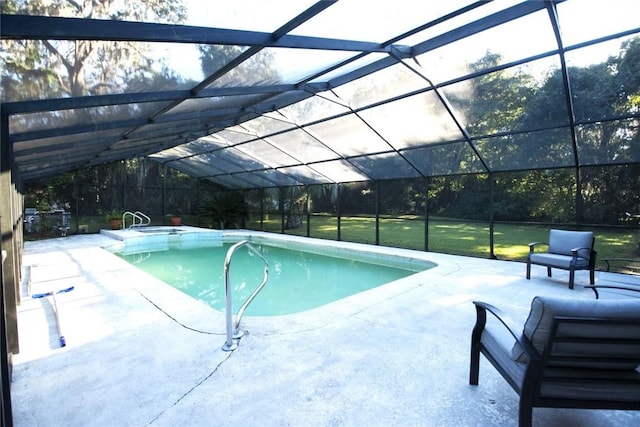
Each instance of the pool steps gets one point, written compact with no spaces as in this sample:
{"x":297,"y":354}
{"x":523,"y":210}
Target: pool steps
{"x":155,"y":239}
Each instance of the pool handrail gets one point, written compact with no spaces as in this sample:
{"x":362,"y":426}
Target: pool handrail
{"x":145,"y":218}
{"x":233,"y":332}
{"x":137,"y":215}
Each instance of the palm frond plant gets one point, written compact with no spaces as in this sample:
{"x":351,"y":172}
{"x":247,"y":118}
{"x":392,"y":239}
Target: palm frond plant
{"x":225,"y":210}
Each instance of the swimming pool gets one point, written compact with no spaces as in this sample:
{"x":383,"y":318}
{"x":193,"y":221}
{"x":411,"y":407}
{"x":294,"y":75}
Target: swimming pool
{"x":303,"y":274}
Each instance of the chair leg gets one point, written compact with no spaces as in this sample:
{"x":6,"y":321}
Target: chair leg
{"x":474,"y":367}
{"x":592,"y":276}
{"x":476,"y":336}
{"x":525,"y":413}
{"x":548,"y":271}
{"x":572,"y":275}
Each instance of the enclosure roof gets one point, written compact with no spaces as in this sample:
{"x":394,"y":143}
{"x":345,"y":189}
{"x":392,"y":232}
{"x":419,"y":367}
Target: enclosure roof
{"x":253,"y":94}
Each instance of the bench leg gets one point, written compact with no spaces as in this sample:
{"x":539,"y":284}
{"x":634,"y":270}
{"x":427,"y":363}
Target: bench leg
{"x":548,"y":271}
{"x":528,"y":270}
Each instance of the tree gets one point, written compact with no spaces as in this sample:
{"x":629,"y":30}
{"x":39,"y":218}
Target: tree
{"x":56,"y":68}
{"x":497,"y":100}
{"x":33,"y":69}
{"x":504,"y":101}
{"x":257,"y":70}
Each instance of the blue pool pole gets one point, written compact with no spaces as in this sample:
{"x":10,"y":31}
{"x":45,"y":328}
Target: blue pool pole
{"x":55,"y":310}
{"x":63,"y":342}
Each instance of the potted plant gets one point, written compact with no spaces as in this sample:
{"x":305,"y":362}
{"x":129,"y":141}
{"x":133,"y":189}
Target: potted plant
{"x":114,"y":218}
{"x":176,"y":219}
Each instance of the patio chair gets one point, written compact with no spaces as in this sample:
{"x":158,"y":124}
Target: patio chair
{"x":567,"y":250}
{"x":571,"y":353}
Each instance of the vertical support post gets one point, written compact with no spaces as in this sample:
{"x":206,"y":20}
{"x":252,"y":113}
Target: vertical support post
{"x":377,"y":212}
{"x":164,"y":191}
{"x":261,"y":209}
{"x":123,"y":171}
{"x":198,"y":194}
{"x":338,"y":213}
{"x":492,"y":254}
{"x":306,"y":188}
{"x":578,"y":197}
{"x":426,"y":213}
{"x":555,"y":23}
{"x":281,"y":208}
{"x":76,"y":188}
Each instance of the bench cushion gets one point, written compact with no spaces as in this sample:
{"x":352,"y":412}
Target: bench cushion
{"x":540,"y":321}
{"x":562,"y":241}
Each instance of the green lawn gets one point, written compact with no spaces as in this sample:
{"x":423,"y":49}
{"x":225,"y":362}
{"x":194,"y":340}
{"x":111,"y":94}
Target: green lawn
{"x":457,"y":237}
{"x":446,"y":236}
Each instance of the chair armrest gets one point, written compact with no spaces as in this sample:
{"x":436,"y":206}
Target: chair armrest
{"x":576,"y":255}
{"x":525,"y":343}
{"x":533,"y":244}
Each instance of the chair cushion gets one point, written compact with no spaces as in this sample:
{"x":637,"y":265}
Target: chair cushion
{"x":497,"y":341}
{"x":562,"y":241}
{"x":540,"y":321}
{"x":558,"y":261}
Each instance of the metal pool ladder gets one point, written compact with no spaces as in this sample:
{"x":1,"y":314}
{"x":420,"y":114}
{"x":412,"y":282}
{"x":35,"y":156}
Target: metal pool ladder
{"x":233,"y":332}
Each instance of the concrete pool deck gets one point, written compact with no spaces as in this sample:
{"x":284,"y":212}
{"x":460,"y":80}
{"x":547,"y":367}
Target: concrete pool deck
{"x":141,"y":353}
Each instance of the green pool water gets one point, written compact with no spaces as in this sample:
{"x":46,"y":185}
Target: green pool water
{"x":298,"y":280}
